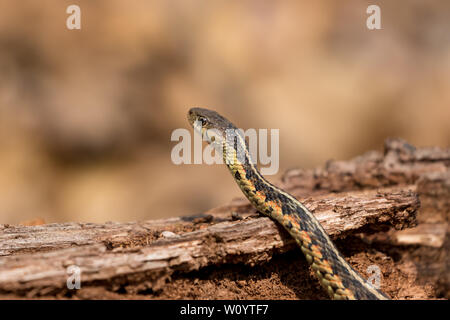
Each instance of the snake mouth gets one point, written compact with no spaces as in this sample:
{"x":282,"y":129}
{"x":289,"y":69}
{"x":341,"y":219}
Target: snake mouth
{"x":212,"y":136}
{"x":197,"y":125}
{"x":198,"y":128}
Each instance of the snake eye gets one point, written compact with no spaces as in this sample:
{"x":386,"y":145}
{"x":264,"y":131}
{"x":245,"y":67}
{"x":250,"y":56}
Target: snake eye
{"x":202,"y":120}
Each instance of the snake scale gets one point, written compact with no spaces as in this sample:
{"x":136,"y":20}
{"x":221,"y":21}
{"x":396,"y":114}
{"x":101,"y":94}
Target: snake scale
{"x":336,"y":276}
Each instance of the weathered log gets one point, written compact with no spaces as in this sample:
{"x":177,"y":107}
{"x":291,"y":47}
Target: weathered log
{"x":36,"y":258}
{"x":401,"y":164}
{"x":371,"y":193}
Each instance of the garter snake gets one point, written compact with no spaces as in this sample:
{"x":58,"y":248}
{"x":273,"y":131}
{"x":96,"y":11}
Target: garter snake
{"x":336,"y":276}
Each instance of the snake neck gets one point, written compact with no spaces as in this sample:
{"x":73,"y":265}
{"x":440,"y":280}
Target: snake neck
{"x":335,"y":274}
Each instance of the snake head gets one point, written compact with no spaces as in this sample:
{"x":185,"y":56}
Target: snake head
{"x":220,"y":133}
{"x":211,"y":125}
{"x":198,"y":121}
{"x":209,"y":119}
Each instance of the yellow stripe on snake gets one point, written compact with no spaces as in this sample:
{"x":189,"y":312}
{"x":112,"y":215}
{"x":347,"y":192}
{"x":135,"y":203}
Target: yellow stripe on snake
{"x":336,"y":276}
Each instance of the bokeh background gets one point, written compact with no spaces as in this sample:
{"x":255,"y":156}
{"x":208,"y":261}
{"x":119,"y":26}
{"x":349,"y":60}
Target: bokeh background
{"x":86,"y":115}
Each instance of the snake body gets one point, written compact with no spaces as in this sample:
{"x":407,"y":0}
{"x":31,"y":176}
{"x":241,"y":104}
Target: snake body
{"x":336,"y":276}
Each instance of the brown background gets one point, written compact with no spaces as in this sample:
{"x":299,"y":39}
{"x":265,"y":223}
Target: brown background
{"x":86,"y":115}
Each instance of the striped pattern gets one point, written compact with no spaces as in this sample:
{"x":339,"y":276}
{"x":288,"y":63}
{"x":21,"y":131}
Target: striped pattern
{"x":336,"y":276}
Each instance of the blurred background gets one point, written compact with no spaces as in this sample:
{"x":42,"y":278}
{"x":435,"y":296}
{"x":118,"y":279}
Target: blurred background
{"x":86,"y":115}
